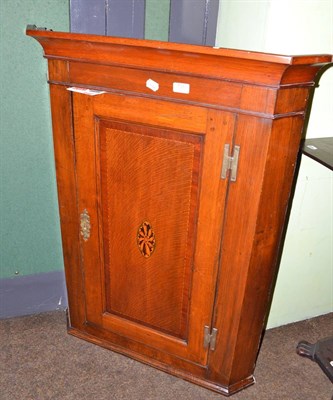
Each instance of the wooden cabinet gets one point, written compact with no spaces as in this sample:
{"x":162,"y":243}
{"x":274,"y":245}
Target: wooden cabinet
{"x":173,"y":188}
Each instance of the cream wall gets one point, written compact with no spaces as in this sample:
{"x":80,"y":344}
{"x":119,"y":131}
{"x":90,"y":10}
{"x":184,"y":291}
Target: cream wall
{"x":304,"y":286}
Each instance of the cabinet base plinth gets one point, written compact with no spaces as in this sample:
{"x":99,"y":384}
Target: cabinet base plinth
{"x":224,"y":390}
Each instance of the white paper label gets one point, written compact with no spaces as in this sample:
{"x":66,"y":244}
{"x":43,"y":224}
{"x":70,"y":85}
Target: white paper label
{"x":179,"y":87}
{"x":310,"y":146}
{"x":152,"y":85}
{"x":89,"y":92}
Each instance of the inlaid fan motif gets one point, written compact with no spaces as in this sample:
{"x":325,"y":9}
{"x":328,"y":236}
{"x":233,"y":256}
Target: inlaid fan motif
{"x":146,"y":239}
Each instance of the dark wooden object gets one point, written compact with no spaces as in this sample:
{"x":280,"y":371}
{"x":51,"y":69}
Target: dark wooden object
{"x":173,"y":188}
{"x":320,"y":352}
{"x":320,"y":150}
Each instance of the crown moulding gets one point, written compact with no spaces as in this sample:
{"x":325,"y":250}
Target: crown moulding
{"x":209,"y":62}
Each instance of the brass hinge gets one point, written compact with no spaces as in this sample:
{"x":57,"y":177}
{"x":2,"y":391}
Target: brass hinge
{"x":230,"y":163}
{"x":209,"y":338}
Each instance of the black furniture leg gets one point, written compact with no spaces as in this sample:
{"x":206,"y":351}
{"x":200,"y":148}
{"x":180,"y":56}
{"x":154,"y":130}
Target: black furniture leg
{"x":321,"y":352}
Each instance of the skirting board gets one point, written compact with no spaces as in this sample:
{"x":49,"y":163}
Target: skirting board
{"x":32,"y":294}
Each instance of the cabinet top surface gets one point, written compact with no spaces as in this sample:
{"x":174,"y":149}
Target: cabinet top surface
{"x":44,"y":35}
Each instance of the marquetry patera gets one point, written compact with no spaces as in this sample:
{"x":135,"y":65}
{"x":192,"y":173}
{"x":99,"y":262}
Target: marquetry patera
{"x":174,"y":173}
{"x":146,"y":239}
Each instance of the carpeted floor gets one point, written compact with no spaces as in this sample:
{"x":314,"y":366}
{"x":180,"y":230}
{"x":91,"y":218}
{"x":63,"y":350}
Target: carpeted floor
{"x":40,"y":361}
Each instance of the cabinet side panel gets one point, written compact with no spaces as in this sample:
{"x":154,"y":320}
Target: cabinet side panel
{"x":61,"y":107}
{"x":252,"y":135}
{"x":276,"y":189}
{"x":249,"y":255}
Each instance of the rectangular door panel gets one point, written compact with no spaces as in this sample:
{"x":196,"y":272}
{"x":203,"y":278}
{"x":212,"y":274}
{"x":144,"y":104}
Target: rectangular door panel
{"x":147,"y":188}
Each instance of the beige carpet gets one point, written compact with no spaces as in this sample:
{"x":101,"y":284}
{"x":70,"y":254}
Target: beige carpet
{"x":40,"y":361}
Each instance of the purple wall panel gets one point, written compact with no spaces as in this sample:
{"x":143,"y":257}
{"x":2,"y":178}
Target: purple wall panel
{"x":32,"y":294}
{"x":126,"y":18}
{"x":87,"y":16}
{"x":193,"y":22}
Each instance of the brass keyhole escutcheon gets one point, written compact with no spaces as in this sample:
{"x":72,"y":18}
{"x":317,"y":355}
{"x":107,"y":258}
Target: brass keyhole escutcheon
{"x":85,"y":225}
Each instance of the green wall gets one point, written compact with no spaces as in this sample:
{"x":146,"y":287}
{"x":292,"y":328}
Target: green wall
{"x":157,"y":19}
{"x":30,"y":241}
{"x":29,"y":228}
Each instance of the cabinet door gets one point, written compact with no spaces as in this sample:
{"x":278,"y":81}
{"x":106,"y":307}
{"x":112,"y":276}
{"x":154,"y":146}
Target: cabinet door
{"x":151,"y":205}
